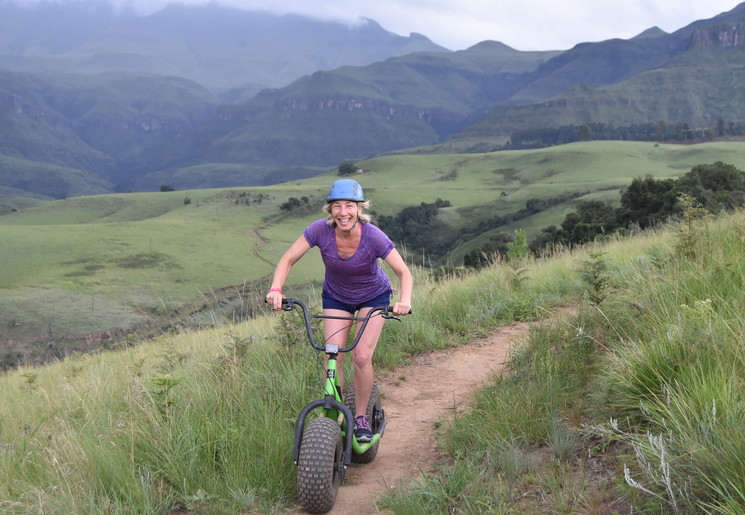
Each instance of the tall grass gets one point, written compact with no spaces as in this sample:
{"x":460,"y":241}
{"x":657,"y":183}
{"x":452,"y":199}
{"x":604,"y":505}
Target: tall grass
{"x":196,"y":419}
{"x":678,"y":374}
{"x":641,"y":392}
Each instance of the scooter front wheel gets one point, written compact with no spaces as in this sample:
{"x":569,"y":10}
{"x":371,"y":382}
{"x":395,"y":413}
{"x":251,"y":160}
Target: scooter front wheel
{"x":320,"y":466}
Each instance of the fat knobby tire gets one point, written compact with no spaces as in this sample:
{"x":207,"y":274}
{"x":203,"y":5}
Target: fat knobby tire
{"x":319,"y":466}
{"x":374,"y":415}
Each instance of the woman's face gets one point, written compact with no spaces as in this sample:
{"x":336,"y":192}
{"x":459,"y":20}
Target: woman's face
{"x":345,"y":213}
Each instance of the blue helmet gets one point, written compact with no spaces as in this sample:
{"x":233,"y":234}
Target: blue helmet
{"x":346,"y":189}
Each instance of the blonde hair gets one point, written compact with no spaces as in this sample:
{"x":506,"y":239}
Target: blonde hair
{"x":360,"y":215}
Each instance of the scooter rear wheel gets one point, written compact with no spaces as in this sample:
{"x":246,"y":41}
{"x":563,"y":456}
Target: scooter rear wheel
{"x":375,"y":416}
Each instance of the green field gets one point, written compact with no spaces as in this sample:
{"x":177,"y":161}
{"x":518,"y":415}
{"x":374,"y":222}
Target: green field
{"x":88,"y":264}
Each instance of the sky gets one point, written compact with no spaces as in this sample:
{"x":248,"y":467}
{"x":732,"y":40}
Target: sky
{"x":459,"y":24}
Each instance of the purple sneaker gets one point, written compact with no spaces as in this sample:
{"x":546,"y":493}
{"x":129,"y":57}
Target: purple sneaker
{"x":362,"y":430}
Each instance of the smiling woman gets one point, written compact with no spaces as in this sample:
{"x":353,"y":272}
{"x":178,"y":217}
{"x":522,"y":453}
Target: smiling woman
{"x":351,"y":248}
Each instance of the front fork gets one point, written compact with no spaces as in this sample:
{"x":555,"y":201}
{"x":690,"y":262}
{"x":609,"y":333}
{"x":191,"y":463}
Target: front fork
{"x":332,"y":408}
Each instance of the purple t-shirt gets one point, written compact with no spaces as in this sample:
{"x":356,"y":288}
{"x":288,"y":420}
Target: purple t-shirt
{"x":358,"y":278}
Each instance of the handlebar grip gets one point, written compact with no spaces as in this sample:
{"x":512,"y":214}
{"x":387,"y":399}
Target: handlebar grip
{"x":390,"y":310}
{"x":286,"y":303}
{"x":284,"y":300}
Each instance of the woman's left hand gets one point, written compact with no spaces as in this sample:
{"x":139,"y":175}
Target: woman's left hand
{"x":401,"y":309}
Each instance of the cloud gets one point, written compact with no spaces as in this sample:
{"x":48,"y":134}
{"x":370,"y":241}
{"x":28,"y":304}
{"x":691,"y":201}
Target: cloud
{"x":524,"y":25}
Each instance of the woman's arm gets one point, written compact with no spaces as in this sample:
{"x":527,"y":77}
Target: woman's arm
{"x":406,"y":281}
{"x":282,"y":270}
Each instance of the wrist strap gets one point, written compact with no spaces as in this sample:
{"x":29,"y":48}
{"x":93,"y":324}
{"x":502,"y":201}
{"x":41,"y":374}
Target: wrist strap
{"x":274,"y":289}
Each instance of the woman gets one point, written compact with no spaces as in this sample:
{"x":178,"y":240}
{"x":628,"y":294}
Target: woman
{"x":354,"y":282}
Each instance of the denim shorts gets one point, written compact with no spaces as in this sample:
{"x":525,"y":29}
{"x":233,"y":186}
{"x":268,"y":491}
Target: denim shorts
{"x":329,"y":302}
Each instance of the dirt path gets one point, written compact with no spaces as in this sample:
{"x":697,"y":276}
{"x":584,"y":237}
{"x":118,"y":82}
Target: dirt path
{"x":416,"y":398}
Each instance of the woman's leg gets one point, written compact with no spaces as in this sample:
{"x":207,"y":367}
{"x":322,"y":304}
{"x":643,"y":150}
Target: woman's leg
{"x":362,"y":355}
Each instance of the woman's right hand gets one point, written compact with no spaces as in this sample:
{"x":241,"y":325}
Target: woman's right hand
{"x":274,"y":299}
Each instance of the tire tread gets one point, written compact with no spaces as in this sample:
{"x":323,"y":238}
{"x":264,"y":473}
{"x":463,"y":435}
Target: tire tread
{"x":317,"y":476}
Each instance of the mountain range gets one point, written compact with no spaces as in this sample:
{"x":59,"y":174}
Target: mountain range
{"x":93,"y":100}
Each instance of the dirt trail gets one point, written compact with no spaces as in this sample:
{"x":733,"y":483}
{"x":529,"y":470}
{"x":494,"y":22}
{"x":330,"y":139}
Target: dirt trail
{"x":416,"y":398}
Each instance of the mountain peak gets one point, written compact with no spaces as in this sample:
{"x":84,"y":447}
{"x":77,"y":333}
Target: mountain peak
{"x":491,"y":46}
{"x":652,"y":32}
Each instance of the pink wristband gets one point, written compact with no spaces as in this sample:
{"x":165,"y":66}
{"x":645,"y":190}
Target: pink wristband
{"x":274,"y":289}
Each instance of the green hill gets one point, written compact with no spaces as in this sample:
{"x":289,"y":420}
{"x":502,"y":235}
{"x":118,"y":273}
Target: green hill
{"x":91,"y":127}
{"x":701,"y":89}
{"x":20,"y":177}
{"x":144,"y":261}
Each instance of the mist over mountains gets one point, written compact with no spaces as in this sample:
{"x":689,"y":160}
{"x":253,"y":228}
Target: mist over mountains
{"x":229,"y":51}
{"x":93,"y":100}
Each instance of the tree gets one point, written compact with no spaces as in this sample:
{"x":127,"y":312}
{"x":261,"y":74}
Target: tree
{"x":419,"y":228}
{"x":647,"y":201}
{"x":293,"y":203}
{"x":548,"y":237}
{"x":717,"y":186}
{"x":347,"y":169}
{"x":518,"y":249}
{"x":592,"y":219}
{"x":585,"y":132}
{"x":720,"y":127}
{"x":493,"y":250}
{"x":661,"y":133}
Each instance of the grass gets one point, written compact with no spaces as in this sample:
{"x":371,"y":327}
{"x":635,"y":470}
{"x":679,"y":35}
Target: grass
{"x":679,"y":370}
{"x":138,"y":254}
{"x":645,"y":379}
{"x":660,"y":357}
{"x":141,"y":433}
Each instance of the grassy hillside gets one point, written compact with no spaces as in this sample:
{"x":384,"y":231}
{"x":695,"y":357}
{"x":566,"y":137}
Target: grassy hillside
{"x":352,"y":112}
{"x":643,"y":379}
{"x":31,"y":179}
{"x":10,"y":203}
{"x":87,"y":265}
{"x":90,"y":128}
{"x":698,"y":88}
